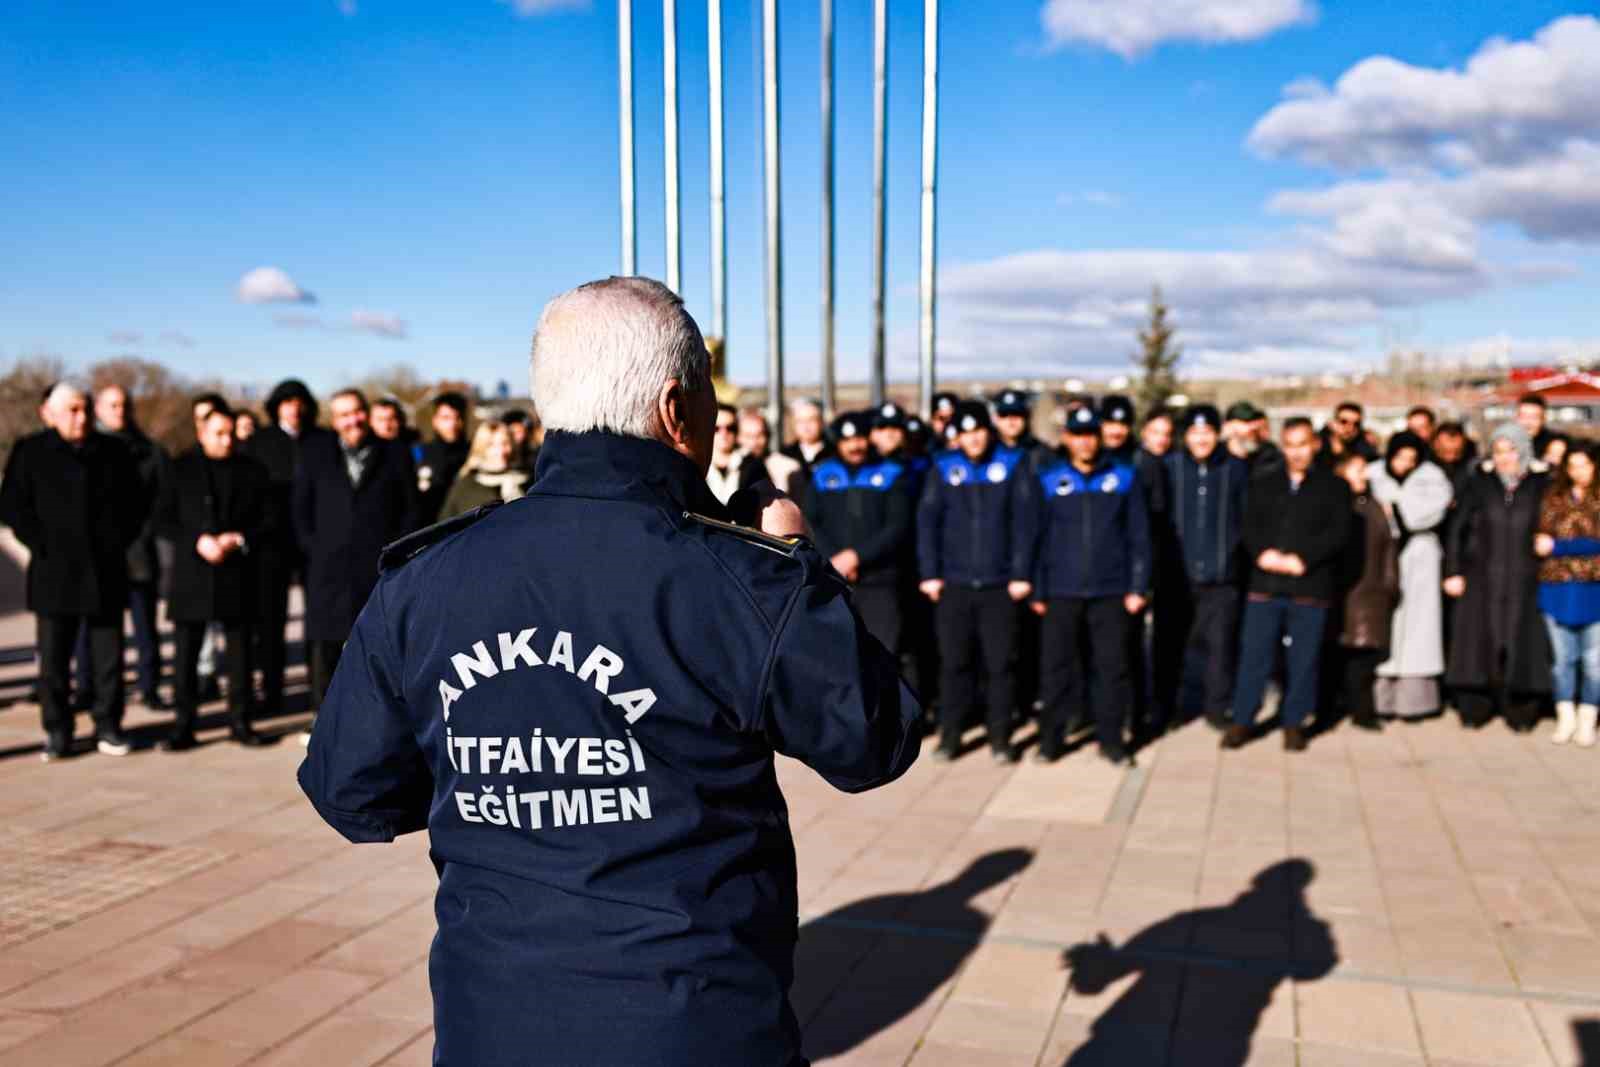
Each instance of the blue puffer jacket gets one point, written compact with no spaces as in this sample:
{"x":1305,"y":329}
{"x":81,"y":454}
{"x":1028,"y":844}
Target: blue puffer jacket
{"x":977,"y":520}
{"x":1094,"y":532}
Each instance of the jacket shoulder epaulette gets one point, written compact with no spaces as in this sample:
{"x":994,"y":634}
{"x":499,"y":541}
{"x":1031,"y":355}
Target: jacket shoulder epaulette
{"x":786,"y":546}
{"x":409,"y":547}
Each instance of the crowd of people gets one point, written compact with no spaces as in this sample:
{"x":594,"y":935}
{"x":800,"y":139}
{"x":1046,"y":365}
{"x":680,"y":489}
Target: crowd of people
{"x":1141,"y":573}
{"x":259,"y":503}
{"x":1135,"y":575}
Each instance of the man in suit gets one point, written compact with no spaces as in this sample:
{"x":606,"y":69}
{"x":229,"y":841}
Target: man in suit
{"x":216,"y":510}
{"x":353,"y":494}
{"x":72,"y":496}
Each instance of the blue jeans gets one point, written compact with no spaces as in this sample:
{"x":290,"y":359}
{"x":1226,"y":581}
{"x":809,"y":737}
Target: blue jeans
{"x":1266,"y":624}
{"x":1572,"y":645}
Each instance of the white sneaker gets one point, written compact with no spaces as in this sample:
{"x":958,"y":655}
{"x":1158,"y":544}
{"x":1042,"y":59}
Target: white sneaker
{"x":1588,"y":719}
{"x":112,"y":747}
{"x":1566,"y":722}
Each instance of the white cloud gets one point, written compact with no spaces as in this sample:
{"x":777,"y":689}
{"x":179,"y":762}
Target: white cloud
{"x":1132,"y":27}
{"x":378,"y":322}
{"x":271,"y":285}
{"x":1513,"y":101}
{"x":533,"y":8}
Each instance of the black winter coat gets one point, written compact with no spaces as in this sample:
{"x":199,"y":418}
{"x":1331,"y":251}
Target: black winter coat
{"x":1198,"y":540}
{"x":280,"y":455}
{"x":204,"y":496}
{"x":77,"y":510}
{"x":1312,"y":523}
{"x":342,"y":529}
{"x":1490,"y":544}
{"x":152,"y":463}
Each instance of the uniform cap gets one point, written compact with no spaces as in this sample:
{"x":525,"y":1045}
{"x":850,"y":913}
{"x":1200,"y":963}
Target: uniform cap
{"x":970,"y":415}
{"x":889,"y":415}
{"x":850,"y":424}
{"x":944,"y":403}
{"x":1082,"y":421}
{"x":1202,"y":415}
{"x":1012,"y":402}
{"x":1115,"y":408}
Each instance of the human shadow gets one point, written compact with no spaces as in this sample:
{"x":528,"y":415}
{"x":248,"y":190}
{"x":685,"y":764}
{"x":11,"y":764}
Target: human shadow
{"x":1586,"y":1035}
{"x":1205,"y":977}
{"x":862,"y":968}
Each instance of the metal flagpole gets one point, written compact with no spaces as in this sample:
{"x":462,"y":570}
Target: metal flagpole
{"x":880,"y":133}
{"x":769,"y":70}
{"x":719,"y":225}
{"x":930,"y":165}
{"x":669,"y":76}
{"x":630,"y":243}
{"x":828,"y":399}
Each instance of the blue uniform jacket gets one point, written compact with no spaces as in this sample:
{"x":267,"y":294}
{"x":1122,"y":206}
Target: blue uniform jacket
{"x":868,"y":508}
{"x":977,"y":521}
{"x":580,"y":696}
{"x":1094,"y":532}
{"x":1205,"y":512}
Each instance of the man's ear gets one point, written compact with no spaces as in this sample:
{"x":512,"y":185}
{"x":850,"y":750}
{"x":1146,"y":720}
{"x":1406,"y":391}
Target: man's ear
{"x":672,"y":406}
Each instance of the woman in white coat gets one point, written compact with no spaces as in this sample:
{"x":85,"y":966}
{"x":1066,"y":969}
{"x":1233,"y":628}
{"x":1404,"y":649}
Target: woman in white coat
{"x":1416,"y":494}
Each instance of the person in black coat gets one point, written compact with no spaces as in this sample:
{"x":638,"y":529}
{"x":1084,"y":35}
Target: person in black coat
{"x":216,"y":512}
{"x":440,"y":460}
{"x":353,"y":494}
{"x":72,"y":496}
{"x":291,"y":423}
{"x":1295,"y":525}
{"x":1499,"y":655}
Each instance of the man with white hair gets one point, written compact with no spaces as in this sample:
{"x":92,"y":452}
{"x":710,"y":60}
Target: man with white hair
{"x":810,"y":443}
{"x":580,"y":693}
{"x":72,"y":496}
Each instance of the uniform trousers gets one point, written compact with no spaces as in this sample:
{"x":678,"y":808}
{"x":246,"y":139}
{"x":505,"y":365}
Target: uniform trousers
{"x":1103,"y":624}
{"x":57,"y":634}
{"x":1198,"y":623}
{"x":236,"y":662}
{"x":1267,"y":622}
{"x":976,"y":626}
{"x":879,"y":608}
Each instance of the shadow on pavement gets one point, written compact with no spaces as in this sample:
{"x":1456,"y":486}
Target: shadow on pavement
{"x":1202,"y":1005}
{"x":923,"y":939}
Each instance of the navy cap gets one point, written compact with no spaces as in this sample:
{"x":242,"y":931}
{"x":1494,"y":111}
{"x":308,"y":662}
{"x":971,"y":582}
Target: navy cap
{"x":1012,"y":402}
{"x":970,"y":415}
{"x":1202,"y":415}
{"x":915,"y":425}
{"x":1081,"y":421}
{"x":945,"y":403}
{"x":889,"y":415}
{"x":1116,"y":408}
{"x":850,"y":424}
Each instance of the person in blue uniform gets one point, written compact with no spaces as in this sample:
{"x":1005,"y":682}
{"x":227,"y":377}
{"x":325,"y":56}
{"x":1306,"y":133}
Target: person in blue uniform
{"x":1091,"y":581}
{"x":580,"y":694}
{"x":944,"y":409}
{"x":975,"y":531}
{"x":859,"y":506}
{"x":1013,"y":415}
{"x":1197,"y":625}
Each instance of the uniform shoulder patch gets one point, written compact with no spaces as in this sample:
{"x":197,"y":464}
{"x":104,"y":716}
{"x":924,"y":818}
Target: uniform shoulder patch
{"x":409,"y":547}
{"x":783,"y":545}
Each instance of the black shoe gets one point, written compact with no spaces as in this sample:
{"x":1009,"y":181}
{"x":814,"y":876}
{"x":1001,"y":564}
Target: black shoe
{"x":1363,"y":722}
{"x":209,"y":689}
{"x":1218,"y":720}
{"x":1005,"y":755}
{"x":155,"y":702}
{"x":57,"y":745}
{"x":177,"y":742}
{"x":1235,"y":736}
{"x":1045,"y":755}
{"x":113,"y":742}
{"x":943,"y":755}
{"x":1294,"y":739}
{"x":1116,"y":755}
{"x":246,"y":736}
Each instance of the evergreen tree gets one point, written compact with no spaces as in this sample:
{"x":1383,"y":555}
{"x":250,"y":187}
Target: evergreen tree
{"x":1157,"y":361}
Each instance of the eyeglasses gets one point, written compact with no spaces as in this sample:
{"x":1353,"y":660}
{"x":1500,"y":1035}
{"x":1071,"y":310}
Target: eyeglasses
{"x":1348,"y":420}
{"x":724,"y":427}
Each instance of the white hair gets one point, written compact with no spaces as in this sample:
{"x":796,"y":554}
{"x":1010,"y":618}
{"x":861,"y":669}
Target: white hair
{"x":805,"y":403}
{"x":65,"y":390}
{"x":602,"y":352}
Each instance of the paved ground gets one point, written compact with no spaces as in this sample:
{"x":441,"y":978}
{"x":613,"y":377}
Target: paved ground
{"x":1423,"y":896}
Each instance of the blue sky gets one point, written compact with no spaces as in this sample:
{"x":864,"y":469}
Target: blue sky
{"x":432,"y":173}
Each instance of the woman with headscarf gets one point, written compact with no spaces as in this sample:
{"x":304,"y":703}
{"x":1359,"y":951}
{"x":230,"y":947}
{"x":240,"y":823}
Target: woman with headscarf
{"x":1416,"y":496}
{"x":1500,"y":653}
{"x":1569,"y":593}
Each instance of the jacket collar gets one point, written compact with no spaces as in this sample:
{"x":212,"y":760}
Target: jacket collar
{"x":612,"y":466}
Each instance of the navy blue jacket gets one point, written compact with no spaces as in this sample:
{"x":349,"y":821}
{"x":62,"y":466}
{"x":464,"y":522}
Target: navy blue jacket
{"x":580,"y":695}
{"x":1094,"y":532}
{"x":868,"y":508}
{"x":977,"y":521}
{"x":1205,"y":514}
